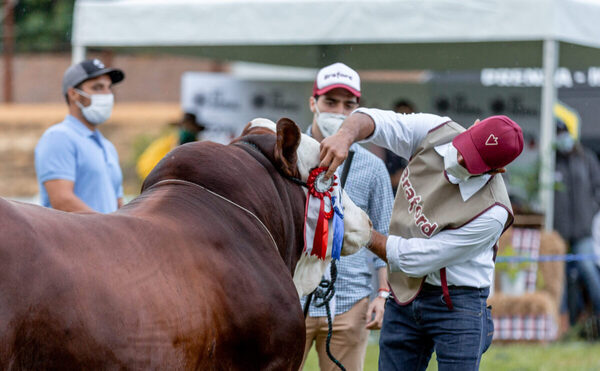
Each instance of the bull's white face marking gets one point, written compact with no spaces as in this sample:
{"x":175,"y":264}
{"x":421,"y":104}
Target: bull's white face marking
{"x":357,"y":225}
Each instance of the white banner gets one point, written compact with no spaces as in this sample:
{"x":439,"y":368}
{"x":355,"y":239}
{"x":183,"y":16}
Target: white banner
{"x":224,"y":103}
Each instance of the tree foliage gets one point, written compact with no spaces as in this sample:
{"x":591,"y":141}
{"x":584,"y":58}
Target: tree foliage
{"x":43,"y":25}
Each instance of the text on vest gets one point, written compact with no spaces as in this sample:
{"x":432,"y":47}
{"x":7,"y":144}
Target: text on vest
{"x":414,"y":205}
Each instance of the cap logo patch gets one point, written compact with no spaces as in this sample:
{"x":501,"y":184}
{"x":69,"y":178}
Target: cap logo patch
{"x":98,"y":64}
{"x":491,"y":140}
{"x":338,"y":75}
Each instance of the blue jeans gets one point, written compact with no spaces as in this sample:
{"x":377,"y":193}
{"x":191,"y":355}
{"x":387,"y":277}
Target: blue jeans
{"x":411,"y":333}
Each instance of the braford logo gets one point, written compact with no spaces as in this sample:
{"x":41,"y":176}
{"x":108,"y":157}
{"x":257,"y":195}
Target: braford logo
{"x":338,"y":75}
{"x":415,"y":206}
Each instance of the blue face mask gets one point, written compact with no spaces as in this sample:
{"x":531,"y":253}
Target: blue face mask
{"x":564,"y":142}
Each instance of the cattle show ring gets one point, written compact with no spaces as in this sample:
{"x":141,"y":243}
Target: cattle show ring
{"x":166,"y":204}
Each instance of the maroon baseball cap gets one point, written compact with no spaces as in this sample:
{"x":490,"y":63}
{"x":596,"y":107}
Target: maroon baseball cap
{"x":491,"y":144}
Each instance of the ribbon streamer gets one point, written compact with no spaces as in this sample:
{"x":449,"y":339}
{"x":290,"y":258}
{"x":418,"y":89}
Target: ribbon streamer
{"x":338,"y":230}
{"x":545,"y":258}
{"x":323,"y":214}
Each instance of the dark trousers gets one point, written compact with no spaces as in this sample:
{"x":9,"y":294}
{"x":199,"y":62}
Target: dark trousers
{"x":584,"y":272}
{"x":411,"y":333}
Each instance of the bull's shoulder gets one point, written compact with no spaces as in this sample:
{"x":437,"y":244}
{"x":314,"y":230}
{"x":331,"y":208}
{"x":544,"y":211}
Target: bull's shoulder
{"x":15,"y":214}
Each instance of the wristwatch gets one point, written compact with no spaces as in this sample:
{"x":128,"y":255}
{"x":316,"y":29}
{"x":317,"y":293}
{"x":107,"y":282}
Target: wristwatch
{"x":383,"y":293}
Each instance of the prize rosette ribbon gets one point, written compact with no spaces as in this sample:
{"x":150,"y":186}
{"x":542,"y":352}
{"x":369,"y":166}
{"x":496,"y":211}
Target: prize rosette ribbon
{"x":324,"y":213}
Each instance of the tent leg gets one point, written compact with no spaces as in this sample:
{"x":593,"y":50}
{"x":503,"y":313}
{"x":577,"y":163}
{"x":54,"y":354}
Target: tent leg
{"x":77,"y":53}
{"x":547,"y":132}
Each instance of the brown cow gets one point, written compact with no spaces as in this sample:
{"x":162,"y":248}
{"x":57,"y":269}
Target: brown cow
{"x":195,"y":273}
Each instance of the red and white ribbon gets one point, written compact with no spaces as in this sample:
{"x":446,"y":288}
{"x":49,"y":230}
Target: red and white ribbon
{"x":319,"y":211}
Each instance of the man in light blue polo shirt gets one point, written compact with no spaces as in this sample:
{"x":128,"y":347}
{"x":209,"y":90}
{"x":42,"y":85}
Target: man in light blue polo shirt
{"x":77,"y":168}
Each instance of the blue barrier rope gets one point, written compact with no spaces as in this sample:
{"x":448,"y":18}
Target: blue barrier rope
{"x":546,"y":258}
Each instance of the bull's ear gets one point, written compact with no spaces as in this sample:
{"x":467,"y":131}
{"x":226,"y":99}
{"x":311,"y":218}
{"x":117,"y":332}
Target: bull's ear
{"x":288,"y":139}
{"x":246,"y":129}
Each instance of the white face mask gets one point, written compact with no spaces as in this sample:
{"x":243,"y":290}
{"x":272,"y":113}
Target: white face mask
{"x":565,"y":142}
{"x":100,"y":108}
{"x":452,"y":166}
{"x":329,"y":123}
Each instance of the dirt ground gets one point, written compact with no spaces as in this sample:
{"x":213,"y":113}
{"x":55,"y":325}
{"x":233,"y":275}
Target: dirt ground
{"x":130,"y":128}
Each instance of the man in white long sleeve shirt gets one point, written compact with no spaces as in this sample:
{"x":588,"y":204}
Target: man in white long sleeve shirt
{"x":449,"y":212}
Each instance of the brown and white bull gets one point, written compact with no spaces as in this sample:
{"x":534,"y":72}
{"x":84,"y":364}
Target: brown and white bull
{"x":195,"y":273}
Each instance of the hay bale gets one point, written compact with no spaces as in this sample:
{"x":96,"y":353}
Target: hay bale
{"x":550,"y":282}
{"x":552,"y":274}
{"x":533,"y":303}
{"x":22,"y":125}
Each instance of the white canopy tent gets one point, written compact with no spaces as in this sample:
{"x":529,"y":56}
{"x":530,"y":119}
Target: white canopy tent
{"x":367,"y":34}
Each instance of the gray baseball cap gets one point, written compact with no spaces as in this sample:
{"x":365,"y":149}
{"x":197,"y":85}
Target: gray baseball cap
{"x":88,"y":69}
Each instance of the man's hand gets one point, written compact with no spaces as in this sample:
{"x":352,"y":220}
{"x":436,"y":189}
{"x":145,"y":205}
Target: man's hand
{"x":377,"y":306}
{"x":334,"y":150}
{"x":475,"y":123}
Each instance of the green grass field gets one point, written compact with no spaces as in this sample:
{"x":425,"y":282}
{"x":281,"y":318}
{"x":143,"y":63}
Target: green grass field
{"x":568,"y":356}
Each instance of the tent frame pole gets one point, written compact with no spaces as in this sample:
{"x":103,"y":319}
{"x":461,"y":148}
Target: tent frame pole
{"x":548,"y":132}
{"x":77,"y":53}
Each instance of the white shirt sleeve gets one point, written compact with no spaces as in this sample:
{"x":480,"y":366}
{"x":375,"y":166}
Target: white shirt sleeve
{"x":418,"y":257}
{"x":398,"y":132}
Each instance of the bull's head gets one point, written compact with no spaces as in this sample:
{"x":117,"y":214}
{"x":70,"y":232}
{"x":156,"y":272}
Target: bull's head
{"x":297,"y":154}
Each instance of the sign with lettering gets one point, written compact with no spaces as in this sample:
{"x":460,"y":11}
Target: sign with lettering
{"x":534,"y":77}
{"x":516,"y":92}
{"x":465,"y":103}
{"x":225,"y":103}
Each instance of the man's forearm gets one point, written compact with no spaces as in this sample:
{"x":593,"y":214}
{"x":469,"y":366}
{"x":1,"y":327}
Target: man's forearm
{"x":69,"y":204}
{"x":382,"y":278}
{"x":62,"y":197}
{"x":358,"y":126}
{"x":377,"y":245}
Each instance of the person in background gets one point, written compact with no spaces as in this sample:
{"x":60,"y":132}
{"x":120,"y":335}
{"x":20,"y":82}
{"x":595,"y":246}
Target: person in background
{"x":595,"y":321}
{"x":76,"y":166}
{"x":449,"y":212}
{"x":189,"y":128}
{"x":336,"y":94}
{"x":394,"y":163}
{"x":576,"y":201}
{"x":596,"y":237}
{"x":188,"y":131}
{"x":404,"y":106}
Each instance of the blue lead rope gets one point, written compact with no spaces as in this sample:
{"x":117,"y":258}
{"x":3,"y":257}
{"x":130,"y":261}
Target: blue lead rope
{"x":546,"y":258}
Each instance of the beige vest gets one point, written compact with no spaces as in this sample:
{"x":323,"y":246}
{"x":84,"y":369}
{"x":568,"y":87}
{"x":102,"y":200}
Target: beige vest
{"x":426,"y":202}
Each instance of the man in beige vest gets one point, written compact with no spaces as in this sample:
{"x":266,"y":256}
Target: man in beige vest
{"x":449,"y":212}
